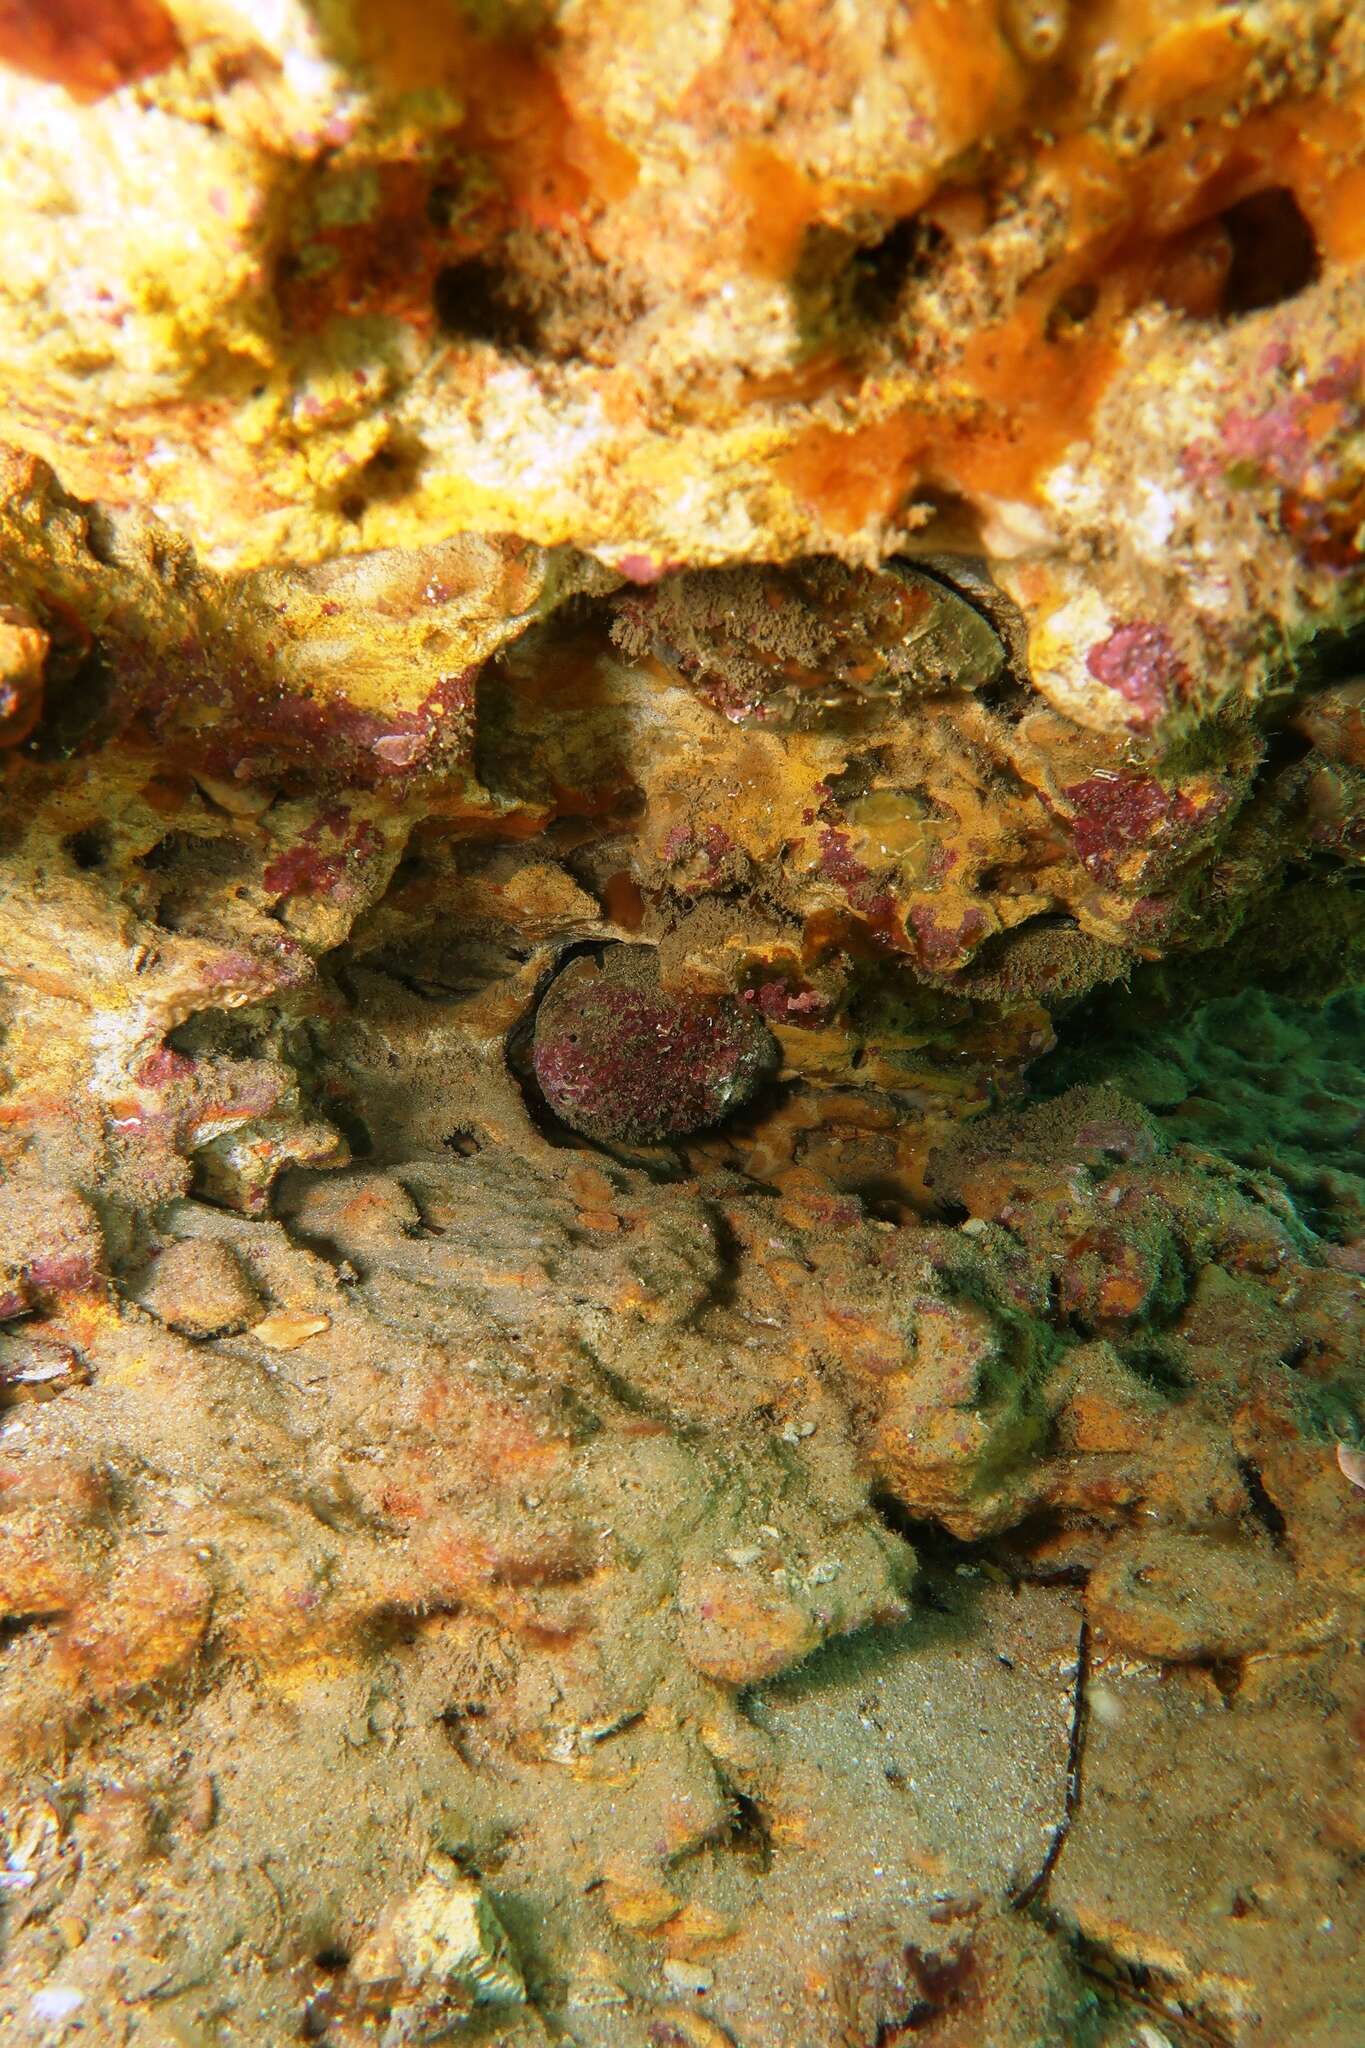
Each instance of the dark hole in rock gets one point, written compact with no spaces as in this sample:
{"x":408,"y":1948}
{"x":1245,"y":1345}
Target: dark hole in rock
{"x":88,"y":848}
{"x":352,"y":1127}
{"x":443,"y":201}
{"x":77,"y":701}
{"x":954,"y":524}
{"x":389,"y":475}
{"x":1334,"y":654}
{"x":1284,"y":748}
{"x":1266,"y":1511}
{"x":1158,"y":1363}
{"x":472,"y":301}
{"x":749,"y":1834}
{"x":879,"y":274}
{"x":1071,"y":309}
{"x":1274,"y":253}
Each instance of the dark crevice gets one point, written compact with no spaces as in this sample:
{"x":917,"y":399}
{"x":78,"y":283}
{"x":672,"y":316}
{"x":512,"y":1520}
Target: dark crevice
{"x":1008,"y":1551}
{"x":1284,"y":748}
{"x":1274,"y":252}
{"x":88,"y":848}
{"x":78,"y":699}
{"x":352,"y":1127}
{"x":878,"y":275}
{"x":909,"y":2022}
{"x":472,"y":303}
{"x":391,"y":473}
{"x":730,"y":1263}
{"x":1072,"y":309}
{"x":1262,"y":1506}
{"x":1226,"y":1673}
{"x":12,"y":1626}
{"x":1155,"y":1359}
{"x":749,"y":1835}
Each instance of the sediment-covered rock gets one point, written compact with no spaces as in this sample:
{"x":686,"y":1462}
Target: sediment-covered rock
{"x":681,"y":1272}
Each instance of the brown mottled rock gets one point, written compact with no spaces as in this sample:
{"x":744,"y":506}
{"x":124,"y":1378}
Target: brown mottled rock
{"x":51,"y":1242}
{"x":667,"y":548}
{"x":1177,"y":1596}
{"x":199,"y":1288}
{"x":142,"y":1628}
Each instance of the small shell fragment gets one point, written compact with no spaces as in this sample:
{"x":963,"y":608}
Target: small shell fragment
{"x":687,"y":1978}
{"x":288,"y":1328}
{"x":1352,"y":1463}
{"x":36,"y":1368}
{"x":445,"y":1932}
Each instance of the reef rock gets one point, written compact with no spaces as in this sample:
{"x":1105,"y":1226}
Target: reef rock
{"x":682,"y":1205}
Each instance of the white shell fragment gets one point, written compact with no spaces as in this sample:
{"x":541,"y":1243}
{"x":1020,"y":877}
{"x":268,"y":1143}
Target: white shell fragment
{"x":288,"y":1328}
{"x":444,"y":1933}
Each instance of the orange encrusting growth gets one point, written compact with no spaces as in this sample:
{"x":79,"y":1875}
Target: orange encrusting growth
{"x":980,"y":86}
{"x":1022,"y":390}
{"x":549,"y":160}
{"x":88,"y":48}
{"x":781,"y":201}
{"x":546,"y":165}
{"x":975,"y":91}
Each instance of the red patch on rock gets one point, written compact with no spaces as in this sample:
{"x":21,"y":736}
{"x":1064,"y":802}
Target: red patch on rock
{"x":717,"y":843}
{"x":1301,"y":445}
{"x":617,"y":1056}
{"x":942,"y":946}
{"x":838,"y":862}
{"x":1139,"y":661}
{"x":310,"y":869}
{"x":162,"y":1066}
{"x":87,"y":46}
{"x":780,"y":1005}
{"x":1111,"y":813}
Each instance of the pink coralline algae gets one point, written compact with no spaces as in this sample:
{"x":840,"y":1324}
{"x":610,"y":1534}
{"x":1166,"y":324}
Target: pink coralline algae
{"x":310,"y":868}
{"x":840,"y":865}
{"x":1113,"y":813}
{"x":1116,"y":815}
{"x":1139,"y":661}
{"x":839,"y":862}
{"x":711,"y":843}
{"x":1299,"y":445}
{"x":944,"y":946}
{"x":617,"y":1056}
{"x":782,"y":1005}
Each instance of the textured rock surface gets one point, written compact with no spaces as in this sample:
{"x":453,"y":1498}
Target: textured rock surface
{"x":783,"y":582}
{"x":616,"y":1056}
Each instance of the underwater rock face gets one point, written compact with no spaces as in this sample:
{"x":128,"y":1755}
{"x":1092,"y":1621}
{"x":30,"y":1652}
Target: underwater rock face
{"x":677,"y":283}
{"x":618,"y":1056}
{"x":682,"y":1293}
{"x":809,"y":644}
